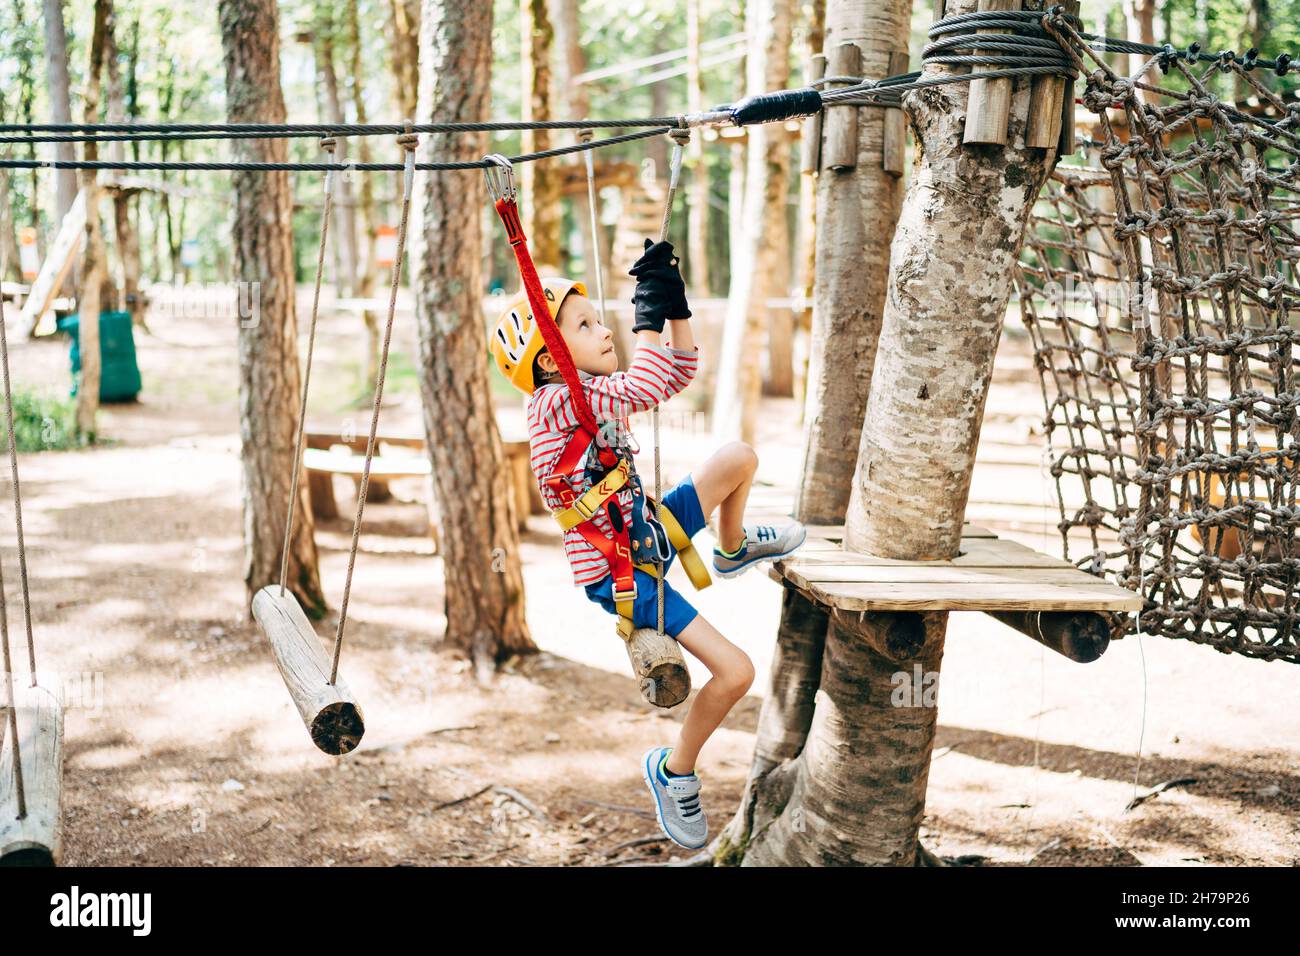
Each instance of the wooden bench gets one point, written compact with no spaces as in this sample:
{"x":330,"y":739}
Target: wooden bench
{"x":323,"y":459}
{"x":323,"y":462}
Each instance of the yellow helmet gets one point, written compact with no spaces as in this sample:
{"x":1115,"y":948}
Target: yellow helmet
{"x":516,"y":340}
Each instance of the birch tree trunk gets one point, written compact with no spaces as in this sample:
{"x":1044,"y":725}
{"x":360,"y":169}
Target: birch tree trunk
{"x":343,"y":231}
{"x":60,"y":107}
{"x":842,"y":763}
{"x":94,"y":262}
{"x":477,"y":527}
{"x":368,"y":264}
{"x":269,"y":377}
{"x":539,"y":184}
{"x":857,"y":209}
{"x":761,"y":267}
{"x":697,"y":236}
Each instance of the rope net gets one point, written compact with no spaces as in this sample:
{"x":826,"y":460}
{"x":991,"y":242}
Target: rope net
{"x":1160,"y":292}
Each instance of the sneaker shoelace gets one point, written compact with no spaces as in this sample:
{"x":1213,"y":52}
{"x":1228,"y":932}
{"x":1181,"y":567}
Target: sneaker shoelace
{"x":765,"y":532}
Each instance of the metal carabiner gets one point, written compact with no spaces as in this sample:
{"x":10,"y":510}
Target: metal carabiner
{"x":500,"y":177}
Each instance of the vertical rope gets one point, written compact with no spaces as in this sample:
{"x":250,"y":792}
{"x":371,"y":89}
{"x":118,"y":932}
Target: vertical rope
{"x":408,"y":141}
{"x":679,"y":137}
{"x":584,"y":136}
{"x":327,"y":144}
{"x":11,"y":700}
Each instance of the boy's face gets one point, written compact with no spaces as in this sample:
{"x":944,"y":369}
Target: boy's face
{"x":589,"y":341}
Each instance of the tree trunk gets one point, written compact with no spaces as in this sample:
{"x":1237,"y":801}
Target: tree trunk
{"x":697,"y":237}
{"x":761,"y":268}
{"x":857,"y":209}
{"x":369,"y":215}
{"x":404,"y":58}
{"x":343,"y":231}
{"x":269,"y":378}
{"x":539,"y":184}
{"x":855,"y":791}
{"x":128,"y":244}
{"x":572,"y":100}
{"x":476,"y":523}
{"x":1139,"y":19}
{"x":60,"y":107}
{"x":94,"y":262}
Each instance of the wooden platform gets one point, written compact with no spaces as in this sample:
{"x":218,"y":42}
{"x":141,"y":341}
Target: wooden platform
{"x":991,"y":574}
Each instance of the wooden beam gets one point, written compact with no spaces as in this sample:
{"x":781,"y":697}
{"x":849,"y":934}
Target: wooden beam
{"x":332,"y":715}
{"x":894,"y":144}
{"x":37,"y":838}
{"x":811,"y":140}
{"x":1047,"y":108}
{"x":1082,"y":636}
{"x":989,"y":107}
{"x":840,"y":150}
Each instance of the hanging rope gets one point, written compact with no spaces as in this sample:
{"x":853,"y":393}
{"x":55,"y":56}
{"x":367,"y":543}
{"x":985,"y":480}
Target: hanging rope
{"x":408,"y":141}
{"x":327,"y":144}
{"x":585,"y":137}
{"x":11,"y":699}
{"x":680,"y":138}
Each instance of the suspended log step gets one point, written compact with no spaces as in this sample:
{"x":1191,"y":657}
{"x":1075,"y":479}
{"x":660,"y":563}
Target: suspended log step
{"x":990,"y":574}
{"x":659,"y":667}
{"x":332,"y":715}
{"x":37,"y":838}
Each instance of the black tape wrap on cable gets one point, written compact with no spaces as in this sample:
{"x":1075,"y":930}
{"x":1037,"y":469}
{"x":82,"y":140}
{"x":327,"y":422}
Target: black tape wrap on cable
{"x":772,"y":107}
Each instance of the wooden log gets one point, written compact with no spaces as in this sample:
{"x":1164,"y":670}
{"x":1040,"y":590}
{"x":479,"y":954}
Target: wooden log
{"x":990,"y":100}
{"x":1080,"y":636}
{"x":894,"y":143}
{"x":840,"y":149}
{"x":811,"y":145}
{"x":1046,"y":107}
{"x":1065,"y":146}
{"x":659,"y":667}
{"x":37,"y":838}
{"x":330,"y":712}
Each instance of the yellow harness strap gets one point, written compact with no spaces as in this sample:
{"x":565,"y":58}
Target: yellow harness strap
{"x":593,"y":497}
{"x":695,"y":569}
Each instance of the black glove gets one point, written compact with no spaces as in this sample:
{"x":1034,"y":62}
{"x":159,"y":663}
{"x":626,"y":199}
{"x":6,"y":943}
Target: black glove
{"x":660,"y":292}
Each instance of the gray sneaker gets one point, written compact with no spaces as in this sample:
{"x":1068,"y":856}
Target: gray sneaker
{"x":762,"y":543}
{"x":677,"y":801}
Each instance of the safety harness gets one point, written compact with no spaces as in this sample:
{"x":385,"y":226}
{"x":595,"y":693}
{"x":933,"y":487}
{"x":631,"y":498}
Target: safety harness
{"x":648,"y":538}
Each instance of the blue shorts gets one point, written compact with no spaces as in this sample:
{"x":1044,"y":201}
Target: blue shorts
{"x":684,"y":503}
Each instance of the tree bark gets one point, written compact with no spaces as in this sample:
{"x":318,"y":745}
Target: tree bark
{"x":761,"y":267}
{"x":128,"y":246}
{"x":343,"y":231}
{"x":572,"y":100}
{"x":539,"y":184}
{"x":269,"y":377}
{"x":857,"y":210}
{"x":60,"y":107}
{"x":94,"y":262}
{"x":697,"y":236}
{"x":404,"y":43}
{"x":369,"y":214}
{"x":855,"y":792}
{"x":476,"y":523}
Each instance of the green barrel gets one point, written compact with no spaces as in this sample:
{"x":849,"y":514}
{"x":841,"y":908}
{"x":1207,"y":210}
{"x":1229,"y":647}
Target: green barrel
{"x":119,"y":375}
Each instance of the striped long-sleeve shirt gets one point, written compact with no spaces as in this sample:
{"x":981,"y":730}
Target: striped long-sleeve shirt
{"x":655,"y":374}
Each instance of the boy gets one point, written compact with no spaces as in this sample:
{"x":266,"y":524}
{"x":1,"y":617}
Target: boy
{"x":655,"y":373}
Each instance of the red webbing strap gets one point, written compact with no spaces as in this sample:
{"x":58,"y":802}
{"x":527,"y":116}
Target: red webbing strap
{"x":509,"y":213}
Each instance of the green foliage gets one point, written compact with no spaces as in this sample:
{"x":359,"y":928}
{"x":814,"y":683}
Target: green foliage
{"x":43,"y":423}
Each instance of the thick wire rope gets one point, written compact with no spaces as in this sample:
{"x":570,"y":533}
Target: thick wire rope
{"x":324,"y":167}
{"x":408,"y":142}
{"x":328,"y":144}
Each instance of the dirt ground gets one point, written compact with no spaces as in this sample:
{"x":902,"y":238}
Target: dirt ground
{"x":182,"y":746}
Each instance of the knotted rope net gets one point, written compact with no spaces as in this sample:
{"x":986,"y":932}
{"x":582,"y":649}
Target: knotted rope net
{"x":1160,"y":292}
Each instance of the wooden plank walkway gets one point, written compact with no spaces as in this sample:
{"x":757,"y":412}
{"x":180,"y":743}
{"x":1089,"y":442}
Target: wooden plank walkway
{"x":990,"y":574}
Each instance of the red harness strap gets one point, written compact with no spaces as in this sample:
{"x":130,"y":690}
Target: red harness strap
{"x":617,"y":553}
{"x":509,"y":213}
